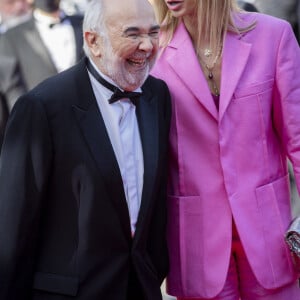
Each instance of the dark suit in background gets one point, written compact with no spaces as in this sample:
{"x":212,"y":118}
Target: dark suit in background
{"x":64,"y":221}
{"x":25,"y":60}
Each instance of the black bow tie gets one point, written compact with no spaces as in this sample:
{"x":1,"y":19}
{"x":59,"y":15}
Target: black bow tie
{"x":117,"y":93}
{"x":59,"y":21}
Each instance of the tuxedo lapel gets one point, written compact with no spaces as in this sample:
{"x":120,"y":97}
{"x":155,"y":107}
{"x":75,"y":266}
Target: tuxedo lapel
{"x":147,"y":116}
{"x":33,"y":38}
{"x":94,"y":131}
{"x":235,"y":56}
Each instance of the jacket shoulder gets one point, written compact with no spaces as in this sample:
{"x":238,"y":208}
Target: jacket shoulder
{"x":19,"y":29}
{"x":153,"y":82}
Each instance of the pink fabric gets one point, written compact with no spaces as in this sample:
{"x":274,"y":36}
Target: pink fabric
{"x":242,"y":284}
{"x":231,"y":163}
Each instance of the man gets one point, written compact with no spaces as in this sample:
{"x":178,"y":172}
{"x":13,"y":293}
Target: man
{"x":82,"y":174}
{"x":13,"y":12}
{"x":38,"y":48}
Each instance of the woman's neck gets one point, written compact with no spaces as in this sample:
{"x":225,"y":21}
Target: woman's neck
{"x":191,"y":25}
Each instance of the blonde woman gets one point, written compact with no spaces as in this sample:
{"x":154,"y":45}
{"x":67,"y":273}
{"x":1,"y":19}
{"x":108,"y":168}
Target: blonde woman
{"x":234,"y":79}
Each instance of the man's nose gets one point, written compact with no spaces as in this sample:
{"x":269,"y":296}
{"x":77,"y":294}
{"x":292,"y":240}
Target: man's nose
{"x":146,"y":43}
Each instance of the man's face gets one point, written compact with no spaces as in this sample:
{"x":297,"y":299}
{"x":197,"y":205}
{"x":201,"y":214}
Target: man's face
{"x":129,"y":51}
{"x":13,"y":8}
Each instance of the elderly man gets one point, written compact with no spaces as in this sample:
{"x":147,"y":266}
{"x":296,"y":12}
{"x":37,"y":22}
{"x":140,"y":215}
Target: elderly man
{"x":83,"y":170}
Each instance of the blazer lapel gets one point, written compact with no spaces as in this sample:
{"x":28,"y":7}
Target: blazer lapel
{"x":235,"y":56}
{"x":188,"y":69}
{"x":147,"y":116}
{"x":93,"y":128}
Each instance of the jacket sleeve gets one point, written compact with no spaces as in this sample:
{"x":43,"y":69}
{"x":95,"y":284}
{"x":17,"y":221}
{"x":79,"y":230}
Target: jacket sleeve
{"x":11,"y":83}
{"x":286,"y":111}
{"x":24,"y":168}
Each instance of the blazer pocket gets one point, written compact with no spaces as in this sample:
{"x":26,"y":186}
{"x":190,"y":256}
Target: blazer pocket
{"x":54,"y":283}
{"x":253,"y":89}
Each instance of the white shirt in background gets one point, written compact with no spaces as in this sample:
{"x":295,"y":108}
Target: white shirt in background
{"x":59,"y":40}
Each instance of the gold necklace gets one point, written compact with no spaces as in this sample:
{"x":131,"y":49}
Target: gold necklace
{"x":207,"y":52}
{"x":212,"y":82}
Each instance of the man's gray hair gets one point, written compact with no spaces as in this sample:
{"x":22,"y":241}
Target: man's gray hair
{"x":93,"y":21}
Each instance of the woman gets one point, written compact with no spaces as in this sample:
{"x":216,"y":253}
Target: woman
{"x":234,"y":79}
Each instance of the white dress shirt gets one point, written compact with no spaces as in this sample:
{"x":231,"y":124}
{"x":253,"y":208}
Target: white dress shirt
{"x":59,"y":40}
{"x":122,"y":127}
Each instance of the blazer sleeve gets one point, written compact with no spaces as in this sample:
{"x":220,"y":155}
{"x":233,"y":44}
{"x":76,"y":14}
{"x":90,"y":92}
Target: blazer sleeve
{"x":286,"y":110}
{"x":24,"y":167}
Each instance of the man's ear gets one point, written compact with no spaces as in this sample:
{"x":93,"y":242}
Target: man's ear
{"x":93,"y":40}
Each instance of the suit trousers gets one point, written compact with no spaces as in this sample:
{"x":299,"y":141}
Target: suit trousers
{"x":241,"y":283}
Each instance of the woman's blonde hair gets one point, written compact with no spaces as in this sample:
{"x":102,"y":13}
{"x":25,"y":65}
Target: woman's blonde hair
{"x":215,"y":17}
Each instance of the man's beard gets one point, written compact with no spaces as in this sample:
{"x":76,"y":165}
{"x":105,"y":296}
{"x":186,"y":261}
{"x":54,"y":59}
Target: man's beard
{"x":114,"y":68}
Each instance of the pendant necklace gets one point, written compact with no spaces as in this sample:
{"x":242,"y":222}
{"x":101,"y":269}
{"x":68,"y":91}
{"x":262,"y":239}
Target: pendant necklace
{"x":210,"y":76}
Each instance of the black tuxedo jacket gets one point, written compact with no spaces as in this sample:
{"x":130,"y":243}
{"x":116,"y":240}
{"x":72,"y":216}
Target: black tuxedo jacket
{"x":64,"y":222}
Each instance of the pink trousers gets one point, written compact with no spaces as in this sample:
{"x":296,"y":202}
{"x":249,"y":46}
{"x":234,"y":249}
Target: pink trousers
{"x":241,"y":283}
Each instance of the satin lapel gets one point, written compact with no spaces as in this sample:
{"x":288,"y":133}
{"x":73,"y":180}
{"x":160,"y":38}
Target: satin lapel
{"x":93,"y":128}
{"x":33,"y":38}
{"x":235,"y":57}
{"x":184,"y":63}
{"x":147,"y":116}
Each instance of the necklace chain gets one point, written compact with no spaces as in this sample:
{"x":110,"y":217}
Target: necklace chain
{"x":208,"y":53}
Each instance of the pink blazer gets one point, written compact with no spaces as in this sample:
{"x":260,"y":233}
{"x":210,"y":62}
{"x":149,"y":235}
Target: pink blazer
{"x":232,"y":163}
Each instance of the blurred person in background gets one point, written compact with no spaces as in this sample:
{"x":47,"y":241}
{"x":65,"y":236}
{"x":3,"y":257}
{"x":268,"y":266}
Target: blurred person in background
{"x":13,"y":12}
{"x":48,"y":43}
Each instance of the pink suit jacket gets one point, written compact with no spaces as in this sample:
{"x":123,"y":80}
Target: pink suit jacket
{"x":231,"y":163}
